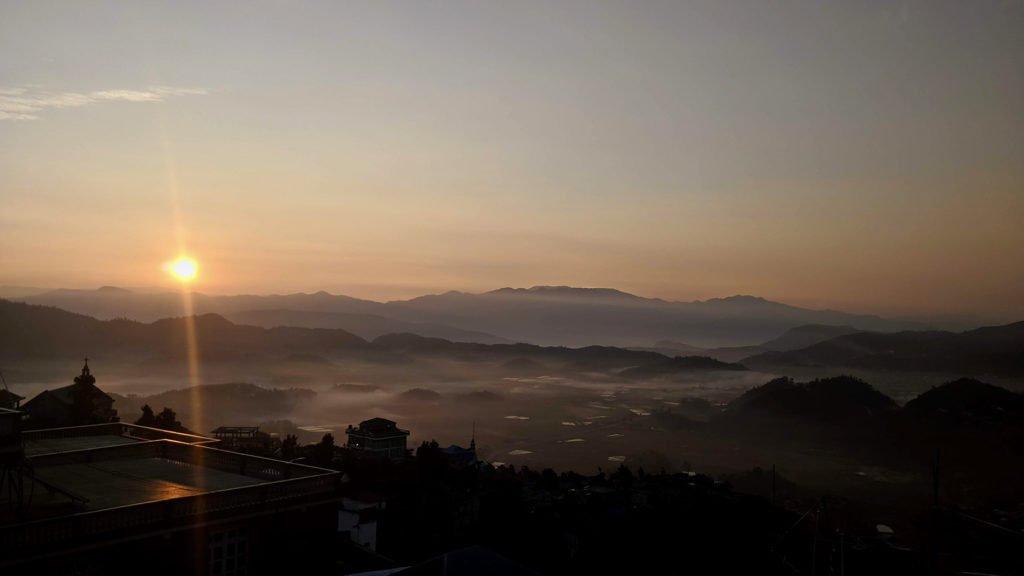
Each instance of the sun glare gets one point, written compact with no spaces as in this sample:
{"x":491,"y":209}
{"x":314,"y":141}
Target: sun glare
{"x":185,"y":268}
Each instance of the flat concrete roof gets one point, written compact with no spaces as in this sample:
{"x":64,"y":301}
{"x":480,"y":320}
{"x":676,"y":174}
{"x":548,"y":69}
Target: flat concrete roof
{"x":129,"y":486}
{"x":120,"y":482}
{"x":89,"y":436}
{"x":37,"y":446}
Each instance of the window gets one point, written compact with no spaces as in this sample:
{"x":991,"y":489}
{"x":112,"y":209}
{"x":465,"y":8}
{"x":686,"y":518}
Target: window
{"x":229,"y":552}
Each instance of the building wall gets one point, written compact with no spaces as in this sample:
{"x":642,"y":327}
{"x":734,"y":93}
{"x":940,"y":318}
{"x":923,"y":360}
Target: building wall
{"x":278,"y":542}
{"x":393,"y":447}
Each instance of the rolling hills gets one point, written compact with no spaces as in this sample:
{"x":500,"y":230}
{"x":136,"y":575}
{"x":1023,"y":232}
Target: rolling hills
{"x":545,"y":315}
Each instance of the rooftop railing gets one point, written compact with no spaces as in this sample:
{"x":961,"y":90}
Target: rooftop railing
{"x":287,"y":484}
{"x":115,"y":429}
{"x":188,"y":454}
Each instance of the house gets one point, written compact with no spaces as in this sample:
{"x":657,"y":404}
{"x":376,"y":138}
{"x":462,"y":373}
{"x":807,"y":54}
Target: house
{"x":460,"y":457}
{"x":10,"y":400}
{"x":378,"y":436}
{"x":74,"y":405}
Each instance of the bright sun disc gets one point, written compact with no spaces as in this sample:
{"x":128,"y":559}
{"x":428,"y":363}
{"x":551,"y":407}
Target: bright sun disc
{"x":185,"y":268}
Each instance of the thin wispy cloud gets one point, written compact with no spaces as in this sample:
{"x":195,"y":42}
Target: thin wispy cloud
{"x":25,"y":104}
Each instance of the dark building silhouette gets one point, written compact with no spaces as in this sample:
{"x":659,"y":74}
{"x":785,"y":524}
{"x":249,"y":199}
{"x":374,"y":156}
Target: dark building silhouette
{"x":10,"y":400}
{"x":378,"y":436}
{"x":460,"y":457}
{"x":119,"y":498}
{"x":232,"y":437}
{"x":12,"y":457}
{"x":74,"y":405}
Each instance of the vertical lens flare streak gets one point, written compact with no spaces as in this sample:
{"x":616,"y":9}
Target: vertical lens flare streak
{"x":195,"y":420}
{"x":185,"y":269}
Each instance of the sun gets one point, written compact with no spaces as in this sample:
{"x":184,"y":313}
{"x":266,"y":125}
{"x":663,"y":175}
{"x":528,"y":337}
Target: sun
{"x":184,"y":268}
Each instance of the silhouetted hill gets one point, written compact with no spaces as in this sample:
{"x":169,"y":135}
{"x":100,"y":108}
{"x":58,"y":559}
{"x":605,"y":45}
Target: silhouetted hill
{"x":792,"y":339}
{"x":109,"y":302}
{"x":991,"y":350}
{"x":976,"y":430}
{"x":39,"y":332}
{"x":28,"y":331}
{"x":420,"y":396}
{"x":230,"y":404}
{"x":681,"y":348}
{"x":480,"y":396}
{"x":734,"y":353}
{"x":578,"y":316}
{"x":672,"y":349}
{"x":547,"y":315}
{"x":570,"y":293}
{"x":367,"y":326}
{"x":968,"y":403}
{"x":808,"y":335}
{"x":840,"y":401}
{"x":679,"y":364}
{"x":589,"y":358}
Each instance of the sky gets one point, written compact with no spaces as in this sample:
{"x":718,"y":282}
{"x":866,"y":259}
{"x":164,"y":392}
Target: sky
{"x":867,"y":156}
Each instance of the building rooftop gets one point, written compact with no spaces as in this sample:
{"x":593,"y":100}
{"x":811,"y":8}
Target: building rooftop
{"x":84,"y":384}
{"x":377,"y":427}
{"x":9,"y":399}
{"x":133,"y":480}
{"x":236,"y":430}
{"x":51,"y":440}
{"x":121,"y":485}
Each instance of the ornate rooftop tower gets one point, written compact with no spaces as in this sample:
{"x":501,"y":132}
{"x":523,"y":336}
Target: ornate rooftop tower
{"x":86,"y":377}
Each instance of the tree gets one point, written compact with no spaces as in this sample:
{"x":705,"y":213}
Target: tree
{"x":323,"y":452}
{"x":623,"y":477}
{"x":289,"y":445}
{"x":147,"y":418}
{"x":429,"y":450}
{"x":548,"y":479}
{"x":167,"y":420}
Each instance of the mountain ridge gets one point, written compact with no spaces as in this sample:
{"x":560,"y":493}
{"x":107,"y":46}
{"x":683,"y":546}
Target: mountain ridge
{"x":997,"y":350}
{"x":546,"y":315}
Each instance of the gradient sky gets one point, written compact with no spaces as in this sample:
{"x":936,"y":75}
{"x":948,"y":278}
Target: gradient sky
{"x":861,"y":155}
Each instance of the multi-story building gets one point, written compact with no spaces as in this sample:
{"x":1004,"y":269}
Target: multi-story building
{"x":379,"y":436}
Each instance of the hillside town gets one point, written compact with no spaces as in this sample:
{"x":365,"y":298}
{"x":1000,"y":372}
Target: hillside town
{"x":86,"y":492}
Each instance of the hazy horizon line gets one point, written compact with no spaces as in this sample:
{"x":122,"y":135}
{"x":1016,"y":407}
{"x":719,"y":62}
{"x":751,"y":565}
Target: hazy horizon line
{"x":893,"y":313}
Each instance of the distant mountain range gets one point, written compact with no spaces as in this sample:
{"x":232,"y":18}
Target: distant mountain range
{"x":30,"y":332}
{"x":41,"y":332}
{"x":544,"y":315}
{"x":792,"y":339}
{"x":368,"y":326}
